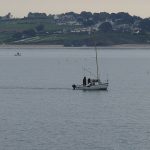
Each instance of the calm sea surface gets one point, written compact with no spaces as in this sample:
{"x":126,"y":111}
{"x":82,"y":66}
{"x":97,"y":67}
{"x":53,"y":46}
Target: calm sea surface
{"x":40,"y":111}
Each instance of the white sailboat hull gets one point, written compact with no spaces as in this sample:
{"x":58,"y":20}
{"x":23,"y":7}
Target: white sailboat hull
{"x":100,"y":86}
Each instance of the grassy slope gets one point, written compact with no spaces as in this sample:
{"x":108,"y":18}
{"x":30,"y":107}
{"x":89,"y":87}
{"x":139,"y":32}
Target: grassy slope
{"x":8,"y":28}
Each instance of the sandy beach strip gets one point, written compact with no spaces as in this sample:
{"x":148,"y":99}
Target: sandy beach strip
{"x":122,"y":46}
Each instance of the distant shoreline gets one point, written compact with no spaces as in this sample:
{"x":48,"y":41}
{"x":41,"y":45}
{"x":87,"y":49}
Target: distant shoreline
{"x":123,"y":46}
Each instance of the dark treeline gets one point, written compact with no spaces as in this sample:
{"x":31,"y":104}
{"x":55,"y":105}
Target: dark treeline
{"x":89,"y":19}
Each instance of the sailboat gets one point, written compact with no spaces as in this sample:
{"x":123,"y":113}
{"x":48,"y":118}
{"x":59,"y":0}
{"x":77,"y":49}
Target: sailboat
{"x":93,"y":84}
{"x":17,"y":54}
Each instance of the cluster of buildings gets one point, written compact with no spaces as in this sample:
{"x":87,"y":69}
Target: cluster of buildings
{"x":66,"y":19}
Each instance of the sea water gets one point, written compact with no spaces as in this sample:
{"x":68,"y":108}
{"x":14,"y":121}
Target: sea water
{"x":40,"y":111}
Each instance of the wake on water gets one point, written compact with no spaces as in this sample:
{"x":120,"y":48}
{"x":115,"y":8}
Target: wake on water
{"x":32,"y":88}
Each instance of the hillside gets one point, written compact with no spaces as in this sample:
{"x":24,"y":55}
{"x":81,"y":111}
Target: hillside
{"x":72,"y":29}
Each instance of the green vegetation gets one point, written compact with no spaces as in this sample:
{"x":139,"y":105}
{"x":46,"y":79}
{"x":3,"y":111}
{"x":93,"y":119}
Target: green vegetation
{"x":73,"y":29}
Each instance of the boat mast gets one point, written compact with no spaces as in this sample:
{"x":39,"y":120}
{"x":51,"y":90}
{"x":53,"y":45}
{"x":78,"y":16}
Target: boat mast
{"x":97,"y":67}
{"x":94,"y":41}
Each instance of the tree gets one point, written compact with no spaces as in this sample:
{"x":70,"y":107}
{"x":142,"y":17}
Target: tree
{"x":105,"y":27}
{"x":96,"y":17}
{"x":37,"y":15}
{"x":39,"y":27}
{"x":145,"y":25}
{"x":122,"y":18}
{"x":104,"y":16}
{"x":8,"y":16}
{"x":86,"y":15}
{"x":75,"y":15}
{"x":88,"y":23}
{"x":29,"y":32}
{"x":17,"y":35}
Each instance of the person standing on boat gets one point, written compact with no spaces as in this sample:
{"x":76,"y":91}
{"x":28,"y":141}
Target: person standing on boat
{"x":89,"y":80}
{"x":84,"y":81}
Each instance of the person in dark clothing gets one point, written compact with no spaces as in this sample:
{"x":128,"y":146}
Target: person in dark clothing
{"x":89,"y":80}
{"x":74,"y":86}
{"x":84,"y":81}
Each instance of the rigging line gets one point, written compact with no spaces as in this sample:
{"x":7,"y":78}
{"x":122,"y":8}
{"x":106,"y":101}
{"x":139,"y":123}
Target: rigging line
{"x":85,"y":69}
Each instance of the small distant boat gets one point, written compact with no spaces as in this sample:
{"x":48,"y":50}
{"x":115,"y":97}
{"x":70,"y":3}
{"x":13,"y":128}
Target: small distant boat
{"x":17,"y":54}
{"x":93,"y":84}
